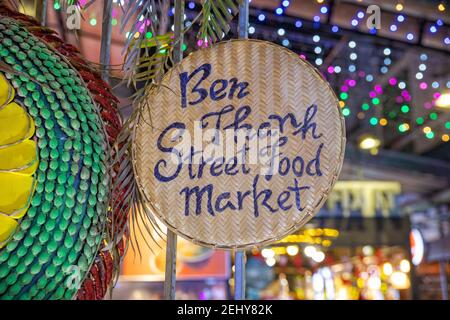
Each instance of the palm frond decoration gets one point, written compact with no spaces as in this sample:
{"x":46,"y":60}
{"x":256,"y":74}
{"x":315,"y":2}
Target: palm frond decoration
{"x":216,"y":18}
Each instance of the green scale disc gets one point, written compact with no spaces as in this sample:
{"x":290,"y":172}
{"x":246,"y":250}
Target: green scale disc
{"x":64,"y":225}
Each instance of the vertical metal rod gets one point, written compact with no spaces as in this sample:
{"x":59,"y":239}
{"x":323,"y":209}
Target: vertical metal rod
{"x":239,"y":257}
{"x":443,"y":279}
{"x":171,"y":249}
{"x":243,"y":19}
{"x":239,"y":275}
{"x":44,"y":12}
{"x":105,"y":48}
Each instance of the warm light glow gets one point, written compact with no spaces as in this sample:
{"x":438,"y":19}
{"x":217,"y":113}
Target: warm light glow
{"x":292,"y":250}
{"x":270,"y":262}
{"x":445,"y":137}
{"x":383,"y":122}
{"x":387,"y":269}
{"x":443,"y":101}
{"x":426,"y":130}
{"x":309,"y":251}
{"x":400,"y":280}
{"x":318,"y":256}
{"x":369,"y":142}
{"x":399,"y":7}
{"x":267,"y":253}
{"x":374,"y":283}
{"x":405,"y":266}
{"x":441,"y":7}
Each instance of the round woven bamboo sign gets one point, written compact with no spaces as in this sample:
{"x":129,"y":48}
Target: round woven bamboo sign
{"x":239,"y":146}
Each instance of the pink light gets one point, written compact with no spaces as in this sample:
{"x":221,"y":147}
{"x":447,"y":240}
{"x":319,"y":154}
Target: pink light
{"x":408,"y":98}
{"x":405,"y":93}
{"x":303,"y":56}
{"x":361,"y":74}
{"x":344,"y":88}
{"x":352,"y":83}
{"x":423,"y":85}
{"x":399,"y":99}
{"x":436,"y":95}
{"x":372,"y":94}
{"x":392,"y":81}
{"x":428,"y":105}
{"x":114,"y":10}
{"x":199,"y":42}
{"x":82,"y":3}
{"x":330,"y":69}
{"x":378,"y":89}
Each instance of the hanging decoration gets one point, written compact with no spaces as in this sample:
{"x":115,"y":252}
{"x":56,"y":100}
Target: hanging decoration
{"x":258,"y":191}
{"x":59,"y":122}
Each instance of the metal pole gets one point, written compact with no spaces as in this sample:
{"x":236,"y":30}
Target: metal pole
{"x":443,"y":279}
{"x":105,"y":48}
{"x":171,"y":249}
{"x":443,"y":263}
{"x":239,"y":257}
{"x":44,"y":12}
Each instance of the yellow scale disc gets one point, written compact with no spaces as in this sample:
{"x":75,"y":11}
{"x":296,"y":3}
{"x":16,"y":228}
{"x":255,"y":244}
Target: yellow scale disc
{"x":6,"y":91}
{"x":18,"y":161}
{"x":20,"y":158}
{"x":15,"y":124}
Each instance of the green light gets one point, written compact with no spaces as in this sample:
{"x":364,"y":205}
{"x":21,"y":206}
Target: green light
{"x":149,"y":35}
{"x":392,"y":114}
{"x":373,"y":121}
{"x":344,"y":96}
{"x":346,"y":112}
{"x":433,"y":116}
{"x":405,"y":108}
{"x":447,"y":125}
{"x":376,"y":101}
{"x":114,"y":22}
{"x":430,"y":135}
{"x":184,"y":47}
{"x":93,"y":22}
{"x":57,"y":6}
{"x":419,"y":121}
{"x":402,"y":127}
{"x":365,"y":106}
{"x":162,"y":51}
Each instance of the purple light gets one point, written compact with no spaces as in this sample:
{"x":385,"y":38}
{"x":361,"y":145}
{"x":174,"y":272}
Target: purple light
{"x":298,"y":24}
{"x":423,"y":85}
{"x":361,"y":74}
{"x":439,"y":22}
{"x":428,"y":105}
{"x":378,"y":89}
{"x":399,"y":99}
{"x":360,"y":14}
{"x":344,"y":88}
{"x":330,"y":69}
{"x":191,"y":5}
{"x":303,"y":56}
{"x":372,"y":94}
{"x":447,"y":40}
{"x":324,"y":9}
{"x":352,"y":83}
{"x":436,"y":95}
{"x":335,"y":29}
{"x":392,"y":81}
{"x":316,"y":19}
{"x":393,"y":28}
